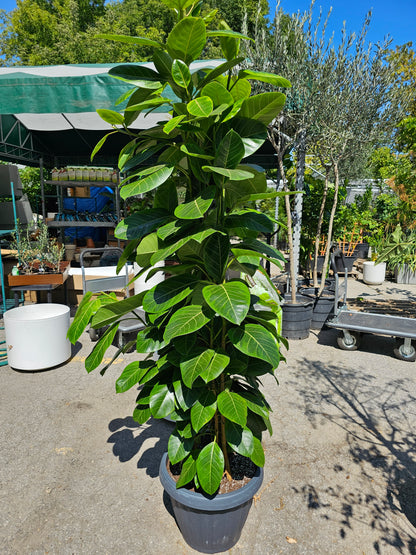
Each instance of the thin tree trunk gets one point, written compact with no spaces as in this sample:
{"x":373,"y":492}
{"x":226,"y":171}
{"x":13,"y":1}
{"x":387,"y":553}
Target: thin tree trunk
{"x":331,"y":224}
{"x":319,"y":228}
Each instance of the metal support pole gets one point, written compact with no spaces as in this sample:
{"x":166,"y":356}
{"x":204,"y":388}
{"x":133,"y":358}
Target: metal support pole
{"x":299,"y":186}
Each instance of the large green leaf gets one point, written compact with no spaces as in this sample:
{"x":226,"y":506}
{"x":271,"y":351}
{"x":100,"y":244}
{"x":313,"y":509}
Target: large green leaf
{"x":215,"y":367}
{"x":233,"y":406}
{"x":206,"y":364}
{"x":111,"y":312}
{"x":178,"y":448}
{"x":139,"y":76}
{"x":233,"y":175}
{"x":95,"y":358}
{"x":197,"y":207}
{"x":132,"y":374}
{"x":162,"y":401}
{"x":260,"y":247}
{"x":240,"y":439}
{"x":146,"y":249}
{"x":198,"y":237}
{"x":270,"y":78}
{"x":188,"y":471}
{"x":169,"y":292}
{"x":187,"y":39}
{"x":110,"y":116}
{"x":219,"y":70}
{"x":230,"y":151}
{"x":181,"y":74}
{"x":228,"y":33}
{"x":218,"y":93}
{"x":187,"y":319}
{"x":263,"y":107}
{"x":100,"y":144}
{"x":203,"y":410}
{"x":141,"y":223}
{"x":142,"y":41}
{"x":195,"y":151}
{"x":236,"y":191}
{"x":231,"y":300}
{"x":172,"y":124}
{"x":215,"y":255}
{"x":252,"y":132}
{"x":257,"y":456}
{"x":149,"y":341}
{"x":86,"y":309}
{"x":256,"y":341}
{"x":147,"y":183}
{"x":200,"y":107}
{"x":250,"y":219}
{"x":210,"y":467}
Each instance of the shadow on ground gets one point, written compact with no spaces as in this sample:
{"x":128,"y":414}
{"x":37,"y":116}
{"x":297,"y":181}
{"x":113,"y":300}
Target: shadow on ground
{"x":380,"y":435}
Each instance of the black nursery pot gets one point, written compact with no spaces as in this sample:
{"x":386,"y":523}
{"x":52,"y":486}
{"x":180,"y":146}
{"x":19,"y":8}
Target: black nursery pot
{"x":323,"y":306}
{"x":210,"y":524}
{"x":297,"y":317}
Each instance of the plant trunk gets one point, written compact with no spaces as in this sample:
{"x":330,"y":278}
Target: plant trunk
{"x":331,"y":224}
{"x":289,"y":232}
{"x":319,"y":228}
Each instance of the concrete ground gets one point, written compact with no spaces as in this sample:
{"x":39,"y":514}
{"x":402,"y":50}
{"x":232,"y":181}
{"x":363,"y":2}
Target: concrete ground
{"x":79,"y":476}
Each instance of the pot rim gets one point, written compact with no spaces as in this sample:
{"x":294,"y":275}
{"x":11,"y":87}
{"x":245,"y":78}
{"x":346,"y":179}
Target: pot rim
{"x":205,"y":502}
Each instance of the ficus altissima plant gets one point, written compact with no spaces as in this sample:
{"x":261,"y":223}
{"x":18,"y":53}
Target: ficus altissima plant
{"x":208,"y":336}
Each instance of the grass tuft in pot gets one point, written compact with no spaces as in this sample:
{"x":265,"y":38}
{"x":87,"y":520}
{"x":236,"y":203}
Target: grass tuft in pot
{"x":209,"y":337}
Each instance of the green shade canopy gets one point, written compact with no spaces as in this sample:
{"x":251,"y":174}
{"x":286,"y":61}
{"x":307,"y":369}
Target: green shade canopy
{"x":49,"y":113}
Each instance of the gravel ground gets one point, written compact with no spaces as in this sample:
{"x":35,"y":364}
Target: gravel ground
{"x":79,"y":476}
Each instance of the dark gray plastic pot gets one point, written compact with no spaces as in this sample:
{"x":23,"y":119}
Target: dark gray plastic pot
{"x":210,"y":524}
{"x":297,"y":317}
{"x":323,"y":306}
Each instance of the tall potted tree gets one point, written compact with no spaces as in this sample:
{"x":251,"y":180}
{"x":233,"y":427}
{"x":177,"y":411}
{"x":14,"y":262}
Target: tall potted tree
{"x":209,"y":337}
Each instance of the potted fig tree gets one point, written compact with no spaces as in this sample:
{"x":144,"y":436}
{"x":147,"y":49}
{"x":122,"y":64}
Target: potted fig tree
{"x":209,"y":336}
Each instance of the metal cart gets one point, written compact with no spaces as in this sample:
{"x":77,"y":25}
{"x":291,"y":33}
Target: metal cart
{"x":131,"y":322}
{"x":354,"y":323}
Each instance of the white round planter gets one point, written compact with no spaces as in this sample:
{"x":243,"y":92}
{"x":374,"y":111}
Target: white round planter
{"x":36,"y":336}
{"x":140,"y":284}
{"x":374,"y":274}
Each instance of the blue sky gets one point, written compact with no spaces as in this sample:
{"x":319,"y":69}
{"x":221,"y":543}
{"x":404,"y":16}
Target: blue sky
{"x":396,"y":18}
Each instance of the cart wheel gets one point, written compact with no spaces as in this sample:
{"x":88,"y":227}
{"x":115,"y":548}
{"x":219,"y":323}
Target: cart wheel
{"x":409,"y":355}
{"x":94,"y":334}
{"x":346,"y":345}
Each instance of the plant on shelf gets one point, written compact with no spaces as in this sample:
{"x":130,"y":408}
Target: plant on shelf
{"x":37,"y":252}
{"x":214,"y":335}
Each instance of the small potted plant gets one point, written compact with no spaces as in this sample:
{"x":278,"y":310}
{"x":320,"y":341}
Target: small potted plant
{"x":209,"y":336}
{"x":398,"y":251}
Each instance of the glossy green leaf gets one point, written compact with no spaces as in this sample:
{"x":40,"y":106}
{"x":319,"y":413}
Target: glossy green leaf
{"x":230,"y":151}
{"x":86,"y":309}
{"x":132,"y":374}
{"x":215,"y":255}
{"x":181,"y":74}
{"x":178,"y":448}
{"x":168,"y":293}
{"x":193,"y":364}
{"x":210,"y":467}
{"x":233,"y":175}
{"x":142,"y":41}
{"x":240,"y":439}
{"x":253,"y":132}
{"x":187,"y":39}
{"x":197,"y":207}
{"x":200,"y":107}
{"x":250,"y":219}
{"x":96,"y":356}
{"x":146,"y":249}
{"x":231,"y":300}
{"x":163,"y":63}
{"x":257,"y":456}
{"x":198,"y":237}
{"x":217,"y":93}
{"x":147,"y":104}
{"x":227,"y":33}
{"x":263,"y":107}
{"x":233,"y":406}
{"x":219,"y":70}
{"x":141,"y":414}
{"x":149,"y":341}
{"x":111,"y":312}
{"x":261,"y":247}
{"x":162,"y":401}
{"x":111,"y":117}
{"x":141,"y":223}
{"x":255,"y":341}
{"x":172,"y":124}
{"x":203,"y":410}
{"x":188,"y":471}
{"x":215,"y":367}
{"x":193,"y":150}
{"x":270,"y":78}
{"x":140,"y":76}
{"x":187,"y":319}
{"x":147,"y":183}
{"x":100,"y":143}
